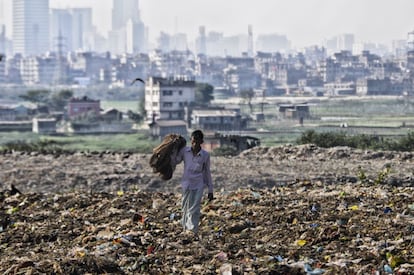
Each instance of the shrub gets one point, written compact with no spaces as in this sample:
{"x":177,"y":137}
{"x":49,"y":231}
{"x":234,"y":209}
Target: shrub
{"x":332,"y":139}
{"x":225,"y":151}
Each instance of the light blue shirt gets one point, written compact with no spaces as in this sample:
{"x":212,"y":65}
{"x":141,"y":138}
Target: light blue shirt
{"x":197,"y":172}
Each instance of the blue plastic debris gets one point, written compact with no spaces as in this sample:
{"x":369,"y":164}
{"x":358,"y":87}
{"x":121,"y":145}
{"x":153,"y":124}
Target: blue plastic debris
{"x":388,"y":269}
{"x":310,"y":271}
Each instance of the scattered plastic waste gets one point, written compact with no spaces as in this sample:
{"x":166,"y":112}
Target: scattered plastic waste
{"x":263,"y":221}
{"x":301,"y":242}
{"x":226,"y":269}
{"x":388,"y":269}
{"x":310,"y":271}
{"x":172,"y":216}
{"x":221,"y":256}
{"x":279,"y":258}
{"x":387,"y":210}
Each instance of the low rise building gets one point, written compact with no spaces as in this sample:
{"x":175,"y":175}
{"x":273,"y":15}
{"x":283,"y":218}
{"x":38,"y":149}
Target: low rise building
{"x":294,"y":111}
{"x":216,"y":120}
{"x":161,"y":128}
{"x":83,"y":106}
{"x":44,"y":125}
{"x":368,"y":86}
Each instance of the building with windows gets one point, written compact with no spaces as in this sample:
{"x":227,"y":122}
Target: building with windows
{"x":39,"y":70}
{"x":83,"y":106}
{"x":216,"y":120}
{"x":166,"y":98}
{"x":30,"y":27}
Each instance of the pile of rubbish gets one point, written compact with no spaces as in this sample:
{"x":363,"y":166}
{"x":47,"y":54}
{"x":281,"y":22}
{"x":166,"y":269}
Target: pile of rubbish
{"x":301,"y":227}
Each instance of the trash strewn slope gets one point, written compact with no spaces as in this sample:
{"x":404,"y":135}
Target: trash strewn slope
{"x":285,"y":210}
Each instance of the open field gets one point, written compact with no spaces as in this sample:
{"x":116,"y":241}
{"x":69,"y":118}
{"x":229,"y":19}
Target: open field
{"x":135,"y":142}
{"x":390,"y":117}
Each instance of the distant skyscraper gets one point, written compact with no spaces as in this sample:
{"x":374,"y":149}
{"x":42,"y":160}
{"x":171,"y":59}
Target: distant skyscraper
{"x":345,"y":42}
{"x":61,"y":30}
{"x":201,"y":44}
{"x":72,"y":27}
{"x":122,"y":11}
{"x":2,"y":39}
{"x":136,"y":37}
{"x":272,"y":43}
{"x":126,"y":23}
{"x":82,"y":28}
{"x":250,"y":40}
{"x":30,"y":26}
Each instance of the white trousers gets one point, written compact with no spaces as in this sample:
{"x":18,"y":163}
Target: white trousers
{"x":191,"y":208}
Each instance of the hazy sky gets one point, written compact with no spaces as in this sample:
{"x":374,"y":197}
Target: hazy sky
{"x":305,"y":22}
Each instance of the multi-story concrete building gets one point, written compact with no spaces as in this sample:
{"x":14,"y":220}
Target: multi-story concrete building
{"x":272,"y":43}
{"x":201,"y":46}
{"x":166,"y":98}
{"x":2,"y":73}
{"x":40,"y":70}
{"x":30,"y":27}
{"x":239,"y":79}
{"x":2,"y":39}
{"x":136,"y":37}
{"x":94,"y":66}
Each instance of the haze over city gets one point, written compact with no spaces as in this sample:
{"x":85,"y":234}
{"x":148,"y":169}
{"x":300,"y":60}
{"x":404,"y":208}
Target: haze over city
{"x":303,"y":22}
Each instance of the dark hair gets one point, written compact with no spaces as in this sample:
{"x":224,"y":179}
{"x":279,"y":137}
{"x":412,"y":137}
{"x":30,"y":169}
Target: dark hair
{"x":198,"y":134}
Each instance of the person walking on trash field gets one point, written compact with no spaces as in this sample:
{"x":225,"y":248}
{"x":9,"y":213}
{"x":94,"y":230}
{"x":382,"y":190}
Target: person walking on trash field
{"x":196,"y":176}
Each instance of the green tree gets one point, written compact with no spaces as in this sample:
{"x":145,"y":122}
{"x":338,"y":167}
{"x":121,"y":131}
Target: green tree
{"x":59,"y":100}
{"x":203,"y":94}
{"x":137,"y":118}
{"x":141,"y":106}
{"x":36,"y":96}
{"x":248,"y":95}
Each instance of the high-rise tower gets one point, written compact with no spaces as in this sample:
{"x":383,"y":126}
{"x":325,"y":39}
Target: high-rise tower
{"x":123,"y":11}
{"x":30,"y":26}
{"x":128,"y":32}
{"x":250,"y":40}
{"x":410,"y":51}
{"x":201,"y":40}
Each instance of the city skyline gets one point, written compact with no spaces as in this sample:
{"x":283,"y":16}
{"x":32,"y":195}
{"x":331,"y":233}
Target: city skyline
{"x":305,"y":23}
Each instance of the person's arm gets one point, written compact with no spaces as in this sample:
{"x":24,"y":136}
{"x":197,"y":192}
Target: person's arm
{"x":207,"y":178}
{"x":177,"y":157}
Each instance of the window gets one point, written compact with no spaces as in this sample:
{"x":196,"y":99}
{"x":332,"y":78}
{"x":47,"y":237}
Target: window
{"x":155,"y":104}
{"x":167,"y":93}
{"x":167,"y":104}
{"x":180,"y":92}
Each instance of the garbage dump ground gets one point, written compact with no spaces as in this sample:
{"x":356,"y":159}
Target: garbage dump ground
{"x":287,"y":210}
